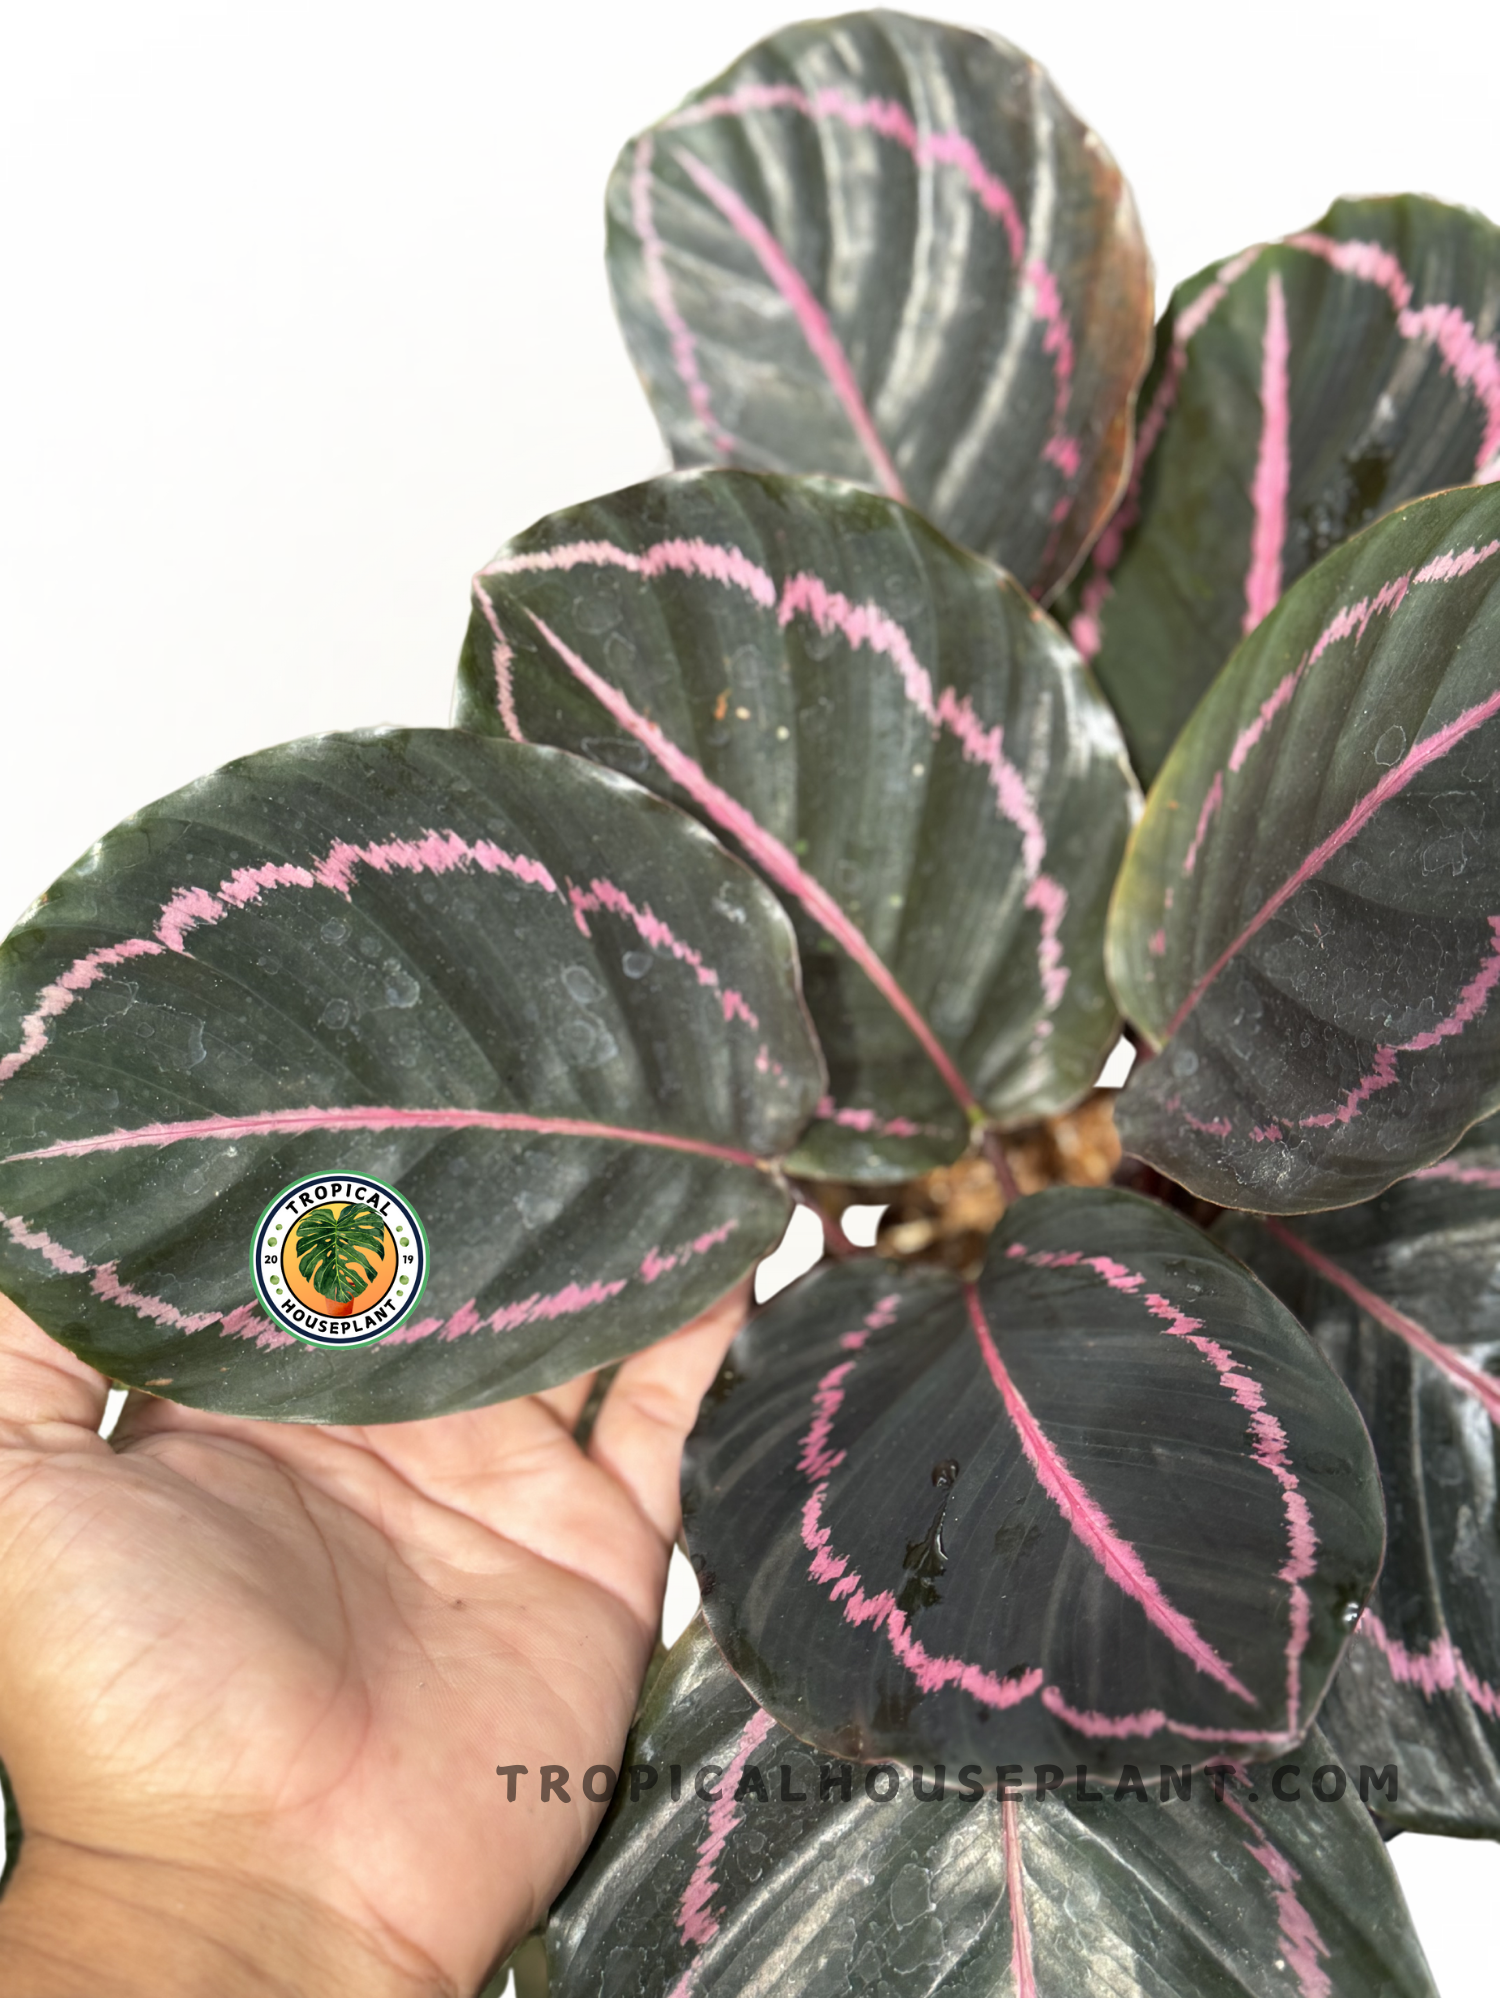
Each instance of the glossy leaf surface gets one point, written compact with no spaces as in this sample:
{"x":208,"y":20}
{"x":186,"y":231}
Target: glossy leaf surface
{"x":887,"y":250}
{"x":1107,"y":1505}
{"x":1297,"y":393}
{"x":545,"y":1006}
{"x":1400,"y":1294}
{"x":889,"y":729}
{"x":767,"y":1893}
{"x":1308,"y":920}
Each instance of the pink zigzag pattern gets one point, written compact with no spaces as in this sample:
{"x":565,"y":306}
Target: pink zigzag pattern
{"x":104,"y":1282}
{"x":1350,"y":621}
{"x":1301,"y":1944}
{"x":602,"y":895}
{"x":1085,"y":630}
{"x":1384,"y":1072}
{"x":539,"y":1306}
{"x":888,"y":120}
{"x":659,"y":285}
{"x":1438,"y":1668}
{"x":1482,"y":1387}
{"x":818,"y":1460}
{"x":846,"y":1588}
{"x":1268,"y":1442}
{"x":1428,"y":750}
{"x":1456,"y":1170}
{"x":696,"y":1923}
{"x":860,"y":625}
{"x":1474,"y":364}
{"x":1471,"y":1003}
{"x":1120,"y":1561}
{"x":432,"y":853}
{"x":246,"y":1322}
{"x":188,"y":908}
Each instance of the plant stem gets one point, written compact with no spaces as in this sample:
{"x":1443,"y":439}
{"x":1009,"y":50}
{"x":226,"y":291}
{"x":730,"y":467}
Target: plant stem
{"x":994,"y":1152}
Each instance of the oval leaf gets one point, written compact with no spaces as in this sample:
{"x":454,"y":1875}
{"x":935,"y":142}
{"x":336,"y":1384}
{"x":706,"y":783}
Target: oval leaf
{"x":1308,"y":920}
{"x":771,"y":1889}
{"x":540,"y":1002}
{"x":1297,"y":393}
{"x":1400,"y":1295}
{"x":1107,"y":1505}
{"x":889,"y":730}
{"x":888,"y":250}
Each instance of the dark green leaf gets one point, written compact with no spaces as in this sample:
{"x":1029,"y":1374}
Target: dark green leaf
{"x":1400,"y":1294}
{"x":1243,"y":1893}
{"x":1297,"y":393}
{"x":889,"y":729}
{"x":887,"y":250}
{"x":1108,"y":1505}
{"x":541,"y":1003}
{"x":1308,"y":920}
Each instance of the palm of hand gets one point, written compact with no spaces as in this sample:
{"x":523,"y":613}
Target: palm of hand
{"x":302,"y":1652}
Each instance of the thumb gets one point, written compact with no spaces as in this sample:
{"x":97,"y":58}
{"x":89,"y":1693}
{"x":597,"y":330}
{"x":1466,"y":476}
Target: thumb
{"x":41,"y":1383}
{"x":652,"y":1404}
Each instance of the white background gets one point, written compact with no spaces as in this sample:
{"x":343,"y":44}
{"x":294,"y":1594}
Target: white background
{"x":304,"y":312}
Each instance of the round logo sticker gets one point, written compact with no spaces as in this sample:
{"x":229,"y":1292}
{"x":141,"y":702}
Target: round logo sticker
{"x":339,"y":1259}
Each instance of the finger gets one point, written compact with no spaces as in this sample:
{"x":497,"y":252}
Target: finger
{"x":568,"y":1400}
{"x":653,"y":1403}
{"x":144,"y":1415}
{"x":141,"y":1413}
{"x":42,"y":1383}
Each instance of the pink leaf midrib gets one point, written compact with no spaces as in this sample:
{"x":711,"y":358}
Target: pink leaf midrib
{"x":1089,"y":1523}
{"x":374,"y":1118}
{"x":1416,"y":1336}
{"x":771,"y":855}
{"x":1427,"y":751}
{"x":817,"y":329}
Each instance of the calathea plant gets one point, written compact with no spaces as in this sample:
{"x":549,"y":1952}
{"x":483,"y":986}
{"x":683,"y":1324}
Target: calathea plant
{"x":1065,"y":1608}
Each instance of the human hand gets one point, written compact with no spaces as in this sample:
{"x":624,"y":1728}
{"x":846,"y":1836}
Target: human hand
{"x":255,"y":1679}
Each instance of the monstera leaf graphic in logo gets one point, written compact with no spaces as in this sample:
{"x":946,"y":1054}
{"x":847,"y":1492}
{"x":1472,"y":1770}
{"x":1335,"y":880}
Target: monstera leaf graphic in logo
{"x":331,"y":1250}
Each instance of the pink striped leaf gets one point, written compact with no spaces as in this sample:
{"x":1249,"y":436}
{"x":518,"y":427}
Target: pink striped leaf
{"x":1298,"y":392}
{"x":887,"y":250}
{"x":1400,"y":1294}
{"x":889,"y":730}
{"x":545,"y":1006}
{"x":1308,"y":921}
{"x":782,"y":1884}
{"x":1107,"y":1505}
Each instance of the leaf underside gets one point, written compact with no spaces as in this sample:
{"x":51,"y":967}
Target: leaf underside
{"x":775,"y":1894}
{"x":1297,"y":393}
{"x":889,"y":730}
{"x":887,"y":250}
{"x":1308,"y":920}
{"x":1106,"y":1505}
{"x":542,"y":1004}
{"x":1417,"y":1340}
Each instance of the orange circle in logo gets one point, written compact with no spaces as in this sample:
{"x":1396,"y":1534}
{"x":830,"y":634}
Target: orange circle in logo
{"x":385,"y":1267}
